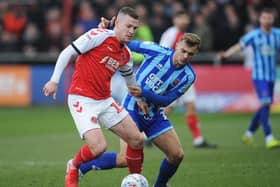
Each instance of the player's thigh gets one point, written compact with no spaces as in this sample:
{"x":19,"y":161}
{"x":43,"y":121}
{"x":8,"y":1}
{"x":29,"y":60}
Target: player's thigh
{"x":127,"y":130}
{"x":118,"y":121}
{"x":169,"y":143}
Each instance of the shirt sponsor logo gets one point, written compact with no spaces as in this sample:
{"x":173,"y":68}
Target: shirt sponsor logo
{"x":110,"y":63}
{"x":266,"y":50}
{"x":154,"y":82}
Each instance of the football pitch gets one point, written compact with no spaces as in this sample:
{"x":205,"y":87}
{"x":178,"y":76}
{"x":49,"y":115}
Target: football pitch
{"x":36,"y":142}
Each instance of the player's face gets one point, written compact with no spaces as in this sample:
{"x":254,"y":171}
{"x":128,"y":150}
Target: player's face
{"x":266,"y":20}
{"x":183,"y":54}
{"x":126,"y":27}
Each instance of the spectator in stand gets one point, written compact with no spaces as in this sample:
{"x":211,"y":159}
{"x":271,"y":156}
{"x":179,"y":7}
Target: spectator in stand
{"x":158,"y":21}
{"x":202,"y":28}
{"x":30,"y":39}
{"x":143,"y":33}
{"x":86,"y":16}
{"x":13,"y":23}
{"x":228,"y":28}
{"x":52,"y":40}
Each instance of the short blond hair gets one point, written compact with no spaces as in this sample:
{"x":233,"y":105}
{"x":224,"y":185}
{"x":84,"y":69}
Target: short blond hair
{"x":191,"y":39}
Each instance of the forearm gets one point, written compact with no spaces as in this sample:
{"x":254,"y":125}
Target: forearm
{"x":130,"y":79}
{"x":161,"y":100}
{"x":62,"y":61}
{"x":232,"y":50}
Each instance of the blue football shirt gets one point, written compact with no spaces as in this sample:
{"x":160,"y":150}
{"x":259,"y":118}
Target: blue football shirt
{"x":265,"y":52}
{"x":158,"y":75}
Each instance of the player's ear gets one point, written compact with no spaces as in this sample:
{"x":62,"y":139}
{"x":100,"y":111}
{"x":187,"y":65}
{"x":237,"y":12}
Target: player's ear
{"x":176,"y":46}
{"x":113,"y":21}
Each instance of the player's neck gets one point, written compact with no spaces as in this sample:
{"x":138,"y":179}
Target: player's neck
{"x":266,"y":30}
{"x":118,"y":37}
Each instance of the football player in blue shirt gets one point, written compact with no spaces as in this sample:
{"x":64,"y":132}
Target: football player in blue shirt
{"x":265,"y":42}
{"x":164,"y":75}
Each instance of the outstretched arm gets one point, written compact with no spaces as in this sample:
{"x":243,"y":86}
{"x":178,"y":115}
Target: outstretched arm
{"x":50,"y":88}
{"x":232,"y":50}
{"x":229,"y":52}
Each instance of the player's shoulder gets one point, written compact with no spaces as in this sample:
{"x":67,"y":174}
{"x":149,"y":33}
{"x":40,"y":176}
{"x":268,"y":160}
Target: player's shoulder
{"x":276,"y":30}
{"x":189,"y":71}
{"x":171,"y":30}
{"x":159,"y":49}
{"x":251,"y":34}
{"x":163,"y":50}
{"x":101,"y":33}
{"x":254,"y":32}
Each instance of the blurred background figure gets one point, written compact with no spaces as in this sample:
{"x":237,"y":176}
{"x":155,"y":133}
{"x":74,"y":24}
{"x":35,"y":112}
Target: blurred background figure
{"x":169,"y":38}
{"x":52,"y":40}
{"x":31,"y":39}
{"x":13,"y":25}
{"x":266,"y":47}
{"x":203,"y":29}
{"x":86,"y":18}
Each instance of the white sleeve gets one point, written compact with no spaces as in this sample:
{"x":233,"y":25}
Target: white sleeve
{"x":62,"y":61}
{"x":128,"y":74}
{"x":167,"y":39}
{"x":91,"y":39}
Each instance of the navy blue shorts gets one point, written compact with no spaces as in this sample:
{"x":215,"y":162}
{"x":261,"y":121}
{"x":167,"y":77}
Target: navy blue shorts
{"x":151,"y":126}
{"x":264,"y":90}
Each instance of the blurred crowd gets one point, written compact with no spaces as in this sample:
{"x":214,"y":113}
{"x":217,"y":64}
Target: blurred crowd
{"x":32,"y":26}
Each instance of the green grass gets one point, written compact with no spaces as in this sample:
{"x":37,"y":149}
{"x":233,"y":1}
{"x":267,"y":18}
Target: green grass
{"x":36,"y":143}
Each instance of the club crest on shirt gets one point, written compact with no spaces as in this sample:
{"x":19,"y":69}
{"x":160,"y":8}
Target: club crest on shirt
{"x":123,"y":57}
{"x":93,"y":119}
{"x":175,"y":82}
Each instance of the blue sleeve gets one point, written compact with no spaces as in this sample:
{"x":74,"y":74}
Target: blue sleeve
{"x":247,"y":39}
{"x":146,"y":48}
{"x":161,"y":100}
{"x":134,"y":45}
{"x":278,"y":38}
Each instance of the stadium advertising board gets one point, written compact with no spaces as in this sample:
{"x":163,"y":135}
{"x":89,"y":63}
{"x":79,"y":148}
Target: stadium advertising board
{"x":14,"y":85}
{"x":229,"y":89}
